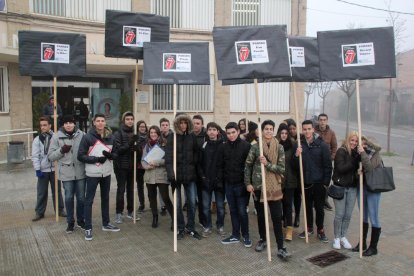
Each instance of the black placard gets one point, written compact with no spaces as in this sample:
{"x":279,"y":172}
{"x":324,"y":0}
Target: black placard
{"x":52,"y":54}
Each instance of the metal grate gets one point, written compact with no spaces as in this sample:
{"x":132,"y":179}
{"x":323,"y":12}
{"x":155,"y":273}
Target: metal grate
{"x":328,"y":258}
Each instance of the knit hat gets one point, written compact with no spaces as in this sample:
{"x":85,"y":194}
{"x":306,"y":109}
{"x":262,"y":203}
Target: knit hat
{"x":127,"y":113}
{"x":51,"y":98}
{"x":68,"y":119}
{"x":252,"y":126}
{"x":281,"y":127}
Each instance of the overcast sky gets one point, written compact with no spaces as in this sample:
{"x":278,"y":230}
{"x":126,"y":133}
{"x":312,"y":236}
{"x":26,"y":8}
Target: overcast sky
{"x":324,"y":15}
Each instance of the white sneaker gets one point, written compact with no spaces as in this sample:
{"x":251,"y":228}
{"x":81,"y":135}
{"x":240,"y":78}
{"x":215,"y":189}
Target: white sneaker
{"x":118,"y":218}
{"x":345,"y":243}
{"x":336,"y":243}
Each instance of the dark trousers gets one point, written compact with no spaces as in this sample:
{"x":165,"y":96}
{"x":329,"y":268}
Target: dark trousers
{"x":42,"y":193}
{"x":91,"y":185}
{"x":201,"y":217}
{"x":315,"y":198}
{"x":124,"y":182}
{"x":236,"y":198}
{"x":190,"y":190}
{"x":219,"y":196}
{"x":287,"y":205}
{"x":140,"y":187}
{"x":152,"y":196}
{"x":297,"y":200}
{"x":75,"y":188}
{"x":276,"y":215}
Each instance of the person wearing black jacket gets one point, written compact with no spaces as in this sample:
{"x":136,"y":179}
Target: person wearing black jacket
{"x":124,"y":165}
{"x":186,"y":174}
{"x":142,"y":130}
{"x":207,"y":170}
{"x":230,"y":175}
{"x":317,"y":170}
{"x":345,"y":174}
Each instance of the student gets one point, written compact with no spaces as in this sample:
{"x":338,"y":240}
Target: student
{"x":142,"y":140}
{"x":165,"y":131}
{"x":230,"y":173}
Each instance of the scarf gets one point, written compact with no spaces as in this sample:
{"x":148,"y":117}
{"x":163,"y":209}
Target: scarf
{"x":273,"y":180}
{"x":45,"y":139}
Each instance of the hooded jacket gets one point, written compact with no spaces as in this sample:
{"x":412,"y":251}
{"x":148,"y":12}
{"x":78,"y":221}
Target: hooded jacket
{"x":124,"y":146}
{"x":207,"y":169}
{"x":186,"y":154}
{"x":70,"y":168}
{"x":40,"y":148}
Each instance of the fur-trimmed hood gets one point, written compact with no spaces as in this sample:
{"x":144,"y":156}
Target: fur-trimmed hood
{"x":177,"y":124}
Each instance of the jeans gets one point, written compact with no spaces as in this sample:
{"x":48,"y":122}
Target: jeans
{"x":140,"y":187}
{"x":191,"y":193}
{"x":200,"y":205}
{"x":297,"y":199}
{"x":371,"y":207}
{"x":42,"y":193}
{"x":287,"y":205}
{"x":91,"y":185}
{"x":152,"y":196}
{"x":75,"y":188}
{"x":315,"y":197}
{"x":343,"y":212}
{"x":219,"y":196}
{"x":124,"y":182}
{"x":236,"y":198}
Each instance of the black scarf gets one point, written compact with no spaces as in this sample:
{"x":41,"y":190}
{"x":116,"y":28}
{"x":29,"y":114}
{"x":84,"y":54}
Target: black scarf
{"x":45,"y":139}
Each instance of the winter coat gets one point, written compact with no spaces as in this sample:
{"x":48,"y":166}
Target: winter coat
{"x":92,"y":166}
{"x":371,"y":158}
{"x":207,"y":169}
{"x":48,"y":110}
{"x":159,"y":173}
{"x":291,"y":178}
{"x":345,"y":171}
{"x":186,"y":154}
{"x":231,"y":160}
{"x":125,"y":149}
{"x":39,"y":153}
{"x":329,"y":137}
{"x":70,"y":168}
{"x":317,"y":164}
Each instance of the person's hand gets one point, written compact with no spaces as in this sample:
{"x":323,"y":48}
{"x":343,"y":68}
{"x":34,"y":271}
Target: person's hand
{"x":360,"y":149}
{"x":39,"y":174}
{"x":359,"y":171}
{"x":102,"y":159}
{"x":250,"y":188}
{"x":152,"y":164}
{"x":298,"y":151}
{"x":107,"y":154}
{"x":65,"y":148}
{"x":263,"y":160}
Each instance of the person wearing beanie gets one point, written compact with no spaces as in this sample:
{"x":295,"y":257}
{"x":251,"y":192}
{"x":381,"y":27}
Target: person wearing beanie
{"x":123,"y":166}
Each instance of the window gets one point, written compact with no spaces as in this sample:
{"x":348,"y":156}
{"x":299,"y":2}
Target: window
{"x":190,"y":98}
{"x":3,"y":6}
{"x":4,"y":90}
{"x":246,"y":12}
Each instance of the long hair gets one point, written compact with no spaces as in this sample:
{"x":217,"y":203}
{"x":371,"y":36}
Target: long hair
{"x":346,"y":143}
{"x":161,"y":139}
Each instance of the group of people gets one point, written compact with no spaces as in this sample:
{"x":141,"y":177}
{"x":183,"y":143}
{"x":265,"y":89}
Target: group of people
{"x":211,"y":163}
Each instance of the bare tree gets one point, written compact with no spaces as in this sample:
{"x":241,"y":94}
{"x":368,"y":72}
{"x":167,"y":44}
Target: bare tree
{"x":323,"y":90}
{"x":309,"y":88}
{"x":348,"y":87}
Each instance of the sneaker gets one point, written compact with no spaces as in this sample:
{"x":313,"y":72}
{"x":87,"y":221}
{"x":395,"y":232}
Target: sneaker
{"x":247,"y":242}
{"x":322,"y":237}
{"x":194,"y":234}
{"x":221,"y":231}
{"x":88,"y":235}
{"x":70,"y":228}
{"x":247,"y":209}
{"x":302,"y":235}
{"x":163,"y":211}
{"x":283,"y":254}
{"x":81,"y":225}
{"x":141,"y":209}
{"x":260,"y":246}
{"x":206,"y":232}
{"x":110,"y":228}
{"x":336,"y":243}
{"x":230,"y":240}
{"x":118,"y":218}
{"x":38,"y":217}
{"x":345,"y":243}
{"x":255,"y":211}
{"x":180,"y":235}
{"x":328,"y":206}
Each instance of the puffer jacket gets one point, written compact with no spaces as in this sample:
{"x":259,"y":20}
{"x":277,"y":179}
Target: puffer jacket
{"x":207,"y":169}
{"x":70,"y":168}
{"x":159,"y":173}
{"x":187,"y":152}
{"x":346,"y":165}
{"x":40,"y":148}
{"x":92,"y":166}
{"x":124,"y":149}
{"x":291,"y":178}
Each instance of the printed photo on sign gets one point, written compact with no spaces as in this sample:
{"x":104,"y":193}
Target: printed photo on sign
{"x":136,"y":36}
{"x":174,"y":62}
{"x":55,"y":53}
{"x":358,"y":54}
{"x":251,"y":52}
{"x":297,"y":56}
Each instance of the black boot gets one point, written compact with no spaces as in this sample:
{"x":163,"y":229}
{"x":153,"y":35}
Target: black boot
{"x":365,"y":227}
{"x":154,"y":221}
{"x":297,"y":221}
{"x":372,"y":249}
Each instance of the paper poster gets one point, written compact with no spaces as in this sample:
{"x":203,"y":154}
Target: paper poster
{"x":251,"y":52}
{"x":106,"y":101}
{"x":174,"y":62}
{"x":136,"y":36}
{"x":358,"y":54}
{"x":56,"y":53}
{"x":297,"y":56}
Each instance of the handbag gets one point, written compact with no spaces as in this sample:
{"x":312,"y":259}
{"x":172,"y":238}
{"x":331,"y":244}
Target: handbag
{"x":335,"y":191}
{"x":380,"y":179}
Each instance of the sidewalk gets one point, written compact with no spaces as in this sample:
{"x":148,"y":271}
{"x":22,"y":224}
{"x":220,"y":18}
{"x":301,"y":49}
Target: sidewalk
{"x":43,"y":248}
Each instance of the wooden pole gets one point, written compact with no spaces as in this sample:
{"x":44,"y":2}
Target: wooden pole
{"x":265,"y":203}
{"x":175,"y":167}
{"x":55,"y":163}
{"x":134,"y":108}
{"x":302,"y":183}
{"x":361,"y":179}
{"x":246,"y":121}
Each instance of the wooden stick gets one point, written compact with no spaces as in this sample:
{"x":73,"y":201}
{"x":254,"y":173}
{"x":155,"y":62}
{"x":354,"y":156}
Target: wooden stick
{"x":246,"y":121}
{"x":361,"y":179}
{"x":55,"y":163}
{"x":265,"y":203}
{"x":134,"y":108}
{"x":302,"y":182}
{"x":175,"y":167}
